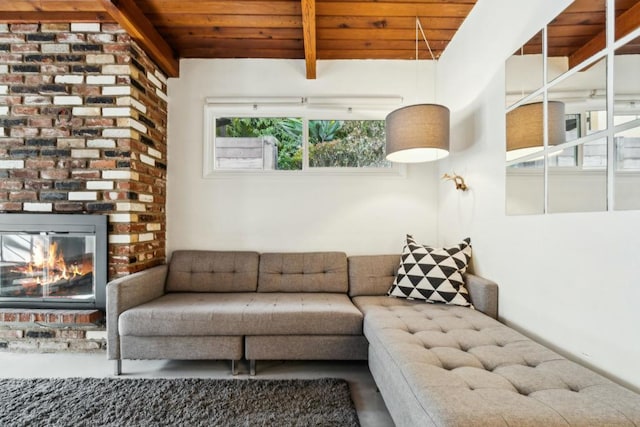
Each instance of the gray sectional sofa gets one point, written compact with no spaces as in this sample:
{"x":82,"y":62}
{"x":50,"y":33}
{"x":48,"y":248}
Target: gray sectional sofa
{"x":435,"y":364}
{"x":230,"y":305}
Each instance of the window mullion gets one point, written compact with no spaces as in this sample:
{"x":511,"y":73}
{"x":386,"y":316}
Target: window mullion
{"x":305,"y":143}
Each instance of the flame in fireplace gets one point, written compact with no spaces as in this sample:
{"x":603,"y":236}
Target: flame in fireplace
{"x":50,"y":266}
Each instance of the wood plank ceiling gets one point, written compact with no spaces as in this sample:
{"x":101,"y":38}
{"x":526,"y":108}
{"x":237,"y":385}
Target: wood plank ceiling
{"x":299,"y":29}
{"x":291,"y":29}
{"x":579,"y":31}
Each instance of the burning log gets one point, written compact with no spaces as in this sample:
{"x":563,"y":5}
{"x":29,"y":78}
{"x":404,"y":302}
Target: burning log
{"x":49,"y":274}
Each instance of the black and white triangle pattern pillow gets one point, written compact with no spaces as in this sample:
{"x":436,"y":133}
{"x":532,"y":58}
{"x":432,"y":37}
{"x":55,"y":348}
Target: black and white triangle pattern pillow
{"x":433,"y":274}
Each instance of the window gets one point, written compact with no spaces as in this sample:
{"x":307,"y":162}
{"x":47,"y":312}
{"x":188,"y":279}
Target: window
{"x":347,"y":144}
{"x":300,"y":140}
{"x":258,"y":143}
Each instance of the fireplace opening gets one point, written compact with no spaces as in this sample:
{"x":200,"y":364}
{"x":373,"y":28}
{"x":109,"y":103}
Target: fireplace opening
{"x":52,"y":261}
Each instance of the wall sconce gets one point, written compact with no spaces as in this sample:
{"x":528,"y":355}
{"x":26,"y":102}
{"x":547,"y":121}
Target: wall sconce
{"x":457,"y":180}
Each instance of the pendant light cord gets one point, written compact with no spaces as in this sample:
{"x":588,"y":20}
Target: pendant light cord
{"x":424,"y":37}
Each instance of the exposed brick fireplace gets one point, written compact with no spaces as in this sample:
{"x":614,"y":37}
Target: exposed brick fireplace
{"x":83,"y":116}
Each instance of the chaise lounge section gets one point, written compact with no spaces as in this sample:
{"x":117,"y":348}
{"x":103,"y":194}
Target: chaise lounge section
{"x":444,"y":365}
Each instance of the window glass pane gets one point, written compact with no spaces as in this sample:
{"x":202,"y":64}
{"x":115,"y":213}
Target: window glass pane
{"x":347,"y":143}
{"x":525,"y":188}
{"x":252,"y":143}
{"x":596,"y":121}
{"x":627,"y":175}
{"x":594,"y":154}
{"x":565,"y":158}
{"x":525,"y":130}
{"x":625,"y":21}
{"x":628,"y":150}
{"x":577,"y":26}
{"x":580,"y":189}
{"x":524,"y":70}
{"x":569,"y":156}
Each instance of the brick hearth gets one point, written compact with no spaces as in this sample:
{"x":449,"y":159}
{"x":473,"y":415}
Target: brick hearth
{"x":83,"y":114}
{"x":34,"y":330}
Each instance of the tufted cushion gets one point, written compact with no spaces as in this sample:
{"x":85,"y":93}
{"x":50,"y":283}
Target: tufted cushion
{"x":371,"y":274}
{"x":213,"y":271}
{"x":303,"y":272}
{"x":465,"y":368}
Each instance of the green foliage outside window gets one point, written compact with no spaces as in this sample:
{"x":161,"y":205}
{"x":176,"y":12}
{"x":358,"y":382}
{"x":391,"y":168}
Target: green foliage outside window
{"x":289,"y":143}
{"x":350,"y":143}
{"x":332,"y":143}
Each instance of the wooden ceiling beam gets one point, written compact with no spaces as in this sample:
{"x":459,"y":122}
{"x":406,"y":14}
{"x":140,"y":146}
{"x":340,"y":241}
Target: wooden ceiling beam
{"x":625,"y":23}
{"x":127,"y":14}
{"x":309,"y":35}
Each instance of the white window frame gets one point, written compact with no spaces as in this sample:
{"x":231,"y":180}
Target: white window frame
{"x":296,"y":107}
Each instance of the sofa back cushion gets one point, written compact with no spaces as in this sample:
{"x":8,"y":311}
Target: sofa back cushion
{"x":213,"y":271}
{"x":303,"y":272}
{"x":372,"y":274}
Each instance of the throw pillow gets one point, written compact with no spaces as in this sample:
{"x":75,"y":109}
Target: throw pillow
{"x":433,"y":274}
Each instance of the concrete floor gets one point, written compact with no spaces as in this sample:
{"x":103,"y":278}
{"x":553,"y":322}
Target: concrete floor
{"x":369,"y":404}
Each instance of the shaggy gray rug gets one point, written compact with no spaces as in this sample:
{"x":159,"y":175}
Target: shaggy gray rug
{"x":175,"y":402}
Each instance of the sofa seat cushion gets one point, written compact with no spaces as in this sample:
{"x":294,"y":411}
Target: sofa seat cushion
{"x":464,"y":367}
{"x":192,"y":314}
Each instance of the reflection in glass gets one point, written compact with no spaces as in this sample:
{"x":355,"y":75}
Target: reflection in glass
{"x":595,"y":121}
{"x":525,"y":126}
{"x":524,"y":70}
{"x":564,"y":158}
{"x":626,"y":17}
{"x":594,"y":154}
{"x":577,"y":174}
{"x":525,"y":188}
{"x":579,"y":189}
{"x":627,"y":175}
{"x":626,"y":80}
{"x":575,"y":35}
{"x":585,"y":93}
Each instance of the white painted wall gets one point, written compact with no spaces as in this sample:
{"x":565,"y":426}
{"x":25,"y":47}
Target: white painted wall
{"x":355,"y":214}
{"x":570,"y":280}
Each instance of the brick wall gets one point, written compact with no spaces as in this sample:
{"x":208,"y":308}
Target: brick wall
{"x":83,"y":115}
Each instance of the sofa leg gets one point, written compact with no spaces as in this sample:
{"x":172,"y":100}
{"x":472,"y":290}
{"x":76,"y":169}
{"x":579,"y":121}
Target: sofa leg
{"x":252,"y":367}
{"x":117,"y":368}
{"x":234,"y":368}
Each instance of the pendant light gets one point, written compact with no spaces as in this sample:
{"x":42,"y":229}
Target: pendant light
{"x":418,"y":133}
